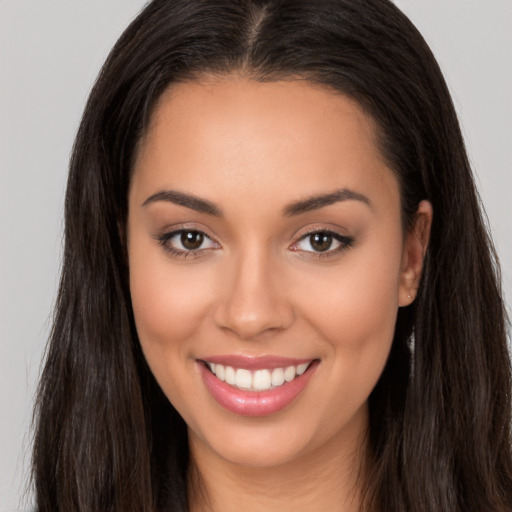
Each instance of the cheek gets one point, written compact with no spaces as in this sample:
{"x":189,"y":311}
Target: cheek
{"x":355,"y":313}
{"x":356,"y":306}
{"x":169,"y":303}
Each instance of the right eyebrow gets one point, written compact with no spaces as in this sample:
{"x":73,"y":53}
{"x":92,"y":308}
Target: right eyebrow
{"x":319,"y":201}
{"x":189,"y":201}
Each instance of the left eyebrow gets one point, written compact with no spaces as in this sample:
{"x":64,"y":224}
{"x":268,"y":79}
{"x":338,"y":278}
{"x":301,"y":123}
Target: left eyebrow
{"x":319,"y":201}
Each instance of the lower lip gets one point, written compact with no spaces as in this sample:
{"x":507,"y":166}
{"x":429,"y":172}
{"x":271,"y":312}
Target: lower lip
{"x":255,"y":403}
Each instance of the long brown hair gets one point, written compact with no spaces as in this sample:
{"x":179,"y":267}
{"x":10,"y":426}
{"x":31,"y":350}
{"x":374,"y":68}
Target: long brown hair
{"x":107,"y":439}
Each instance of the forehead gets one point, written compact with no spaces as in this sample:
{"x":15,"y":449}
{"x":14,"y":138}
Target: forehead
{"x":226,"y":136}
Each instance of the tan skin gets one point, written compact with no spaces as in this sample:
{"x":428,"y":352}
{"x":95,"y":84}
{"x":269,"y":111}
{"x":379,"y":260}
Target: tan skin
{"x":257,"y":283}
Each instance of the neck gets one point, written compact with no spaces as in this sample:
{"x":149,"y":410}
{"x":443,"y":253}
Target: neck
{"x":329,"y":478}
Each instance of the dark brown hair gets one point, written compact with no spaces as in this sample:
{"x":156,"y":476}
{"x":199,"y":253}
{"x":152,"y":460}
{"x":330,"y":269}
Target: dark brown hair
{"x":107,"y":439}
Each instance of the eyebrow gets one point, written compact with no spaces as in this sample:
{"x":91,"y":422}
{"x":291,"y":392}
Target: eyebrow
{"x":187,"y":200}
{"x":305,"y":205}
{"x":319,"y":201}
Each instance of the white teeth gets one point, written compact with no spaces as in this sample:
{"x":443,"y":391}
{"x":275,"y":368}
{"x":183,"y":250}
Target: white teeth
{"x":243,"y":379}
{"x":220,"y":371}
{"x":289,"y":373}
{"x":229,"y":376}
{"x":262,"y":380}
{"x":301,"y":368}
{"x":277,"y":377}
{"x":259,"y":380}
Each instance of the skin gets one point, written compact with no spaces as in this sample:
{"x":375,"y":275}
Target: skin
{"x":259,"y":288}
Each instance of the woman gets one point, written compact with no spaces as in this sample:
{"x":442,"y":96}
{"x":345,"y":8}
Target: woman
{"x":271,"y":224}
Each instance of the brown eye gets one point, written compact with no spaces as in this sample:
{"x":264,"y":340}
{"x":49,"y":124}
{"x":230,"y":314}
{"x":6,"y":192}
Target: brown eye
{"x":327,"y":242}
{"x":321,"y":242}
{"x":191,"y":240}
{"x":186,"y":243}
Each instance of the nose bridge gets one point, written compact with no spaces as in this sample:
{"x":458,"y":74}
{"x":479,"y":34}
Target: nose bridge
{"x":254,"y":300}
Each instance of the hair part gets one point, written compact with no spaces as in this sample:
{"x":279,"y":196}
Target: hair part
{"x":107,"y":438}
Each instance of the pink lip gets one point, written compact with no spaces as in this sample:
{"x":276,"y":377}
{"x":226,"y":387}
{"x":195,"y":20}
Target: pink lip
{"x":255,"y":403}
{"x":254,"y":362}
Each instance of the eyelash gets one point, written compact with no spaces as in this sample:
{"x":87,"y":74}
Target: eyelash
{"x":164,"y":241}
{"x":345,"y":242}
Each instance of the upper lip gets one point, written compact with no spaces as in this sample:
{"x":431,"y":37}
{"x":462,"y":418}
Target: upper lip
{"x":251,"y":362}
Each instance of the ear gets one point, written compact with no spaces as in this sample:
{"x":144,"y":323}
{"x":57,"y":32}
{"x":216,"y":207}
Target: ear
{"x":415,"y":247}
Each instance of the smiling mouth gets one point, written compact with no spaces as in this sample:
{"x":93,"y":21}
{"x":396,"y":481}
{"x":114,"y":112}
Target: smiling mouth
{"x":258,"y":380}
{"x":256,"y":386}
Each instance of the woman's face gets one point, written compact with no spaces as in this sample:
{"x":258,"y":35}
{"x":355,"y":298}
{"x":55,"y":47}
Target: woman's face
{"x":265,"y":243}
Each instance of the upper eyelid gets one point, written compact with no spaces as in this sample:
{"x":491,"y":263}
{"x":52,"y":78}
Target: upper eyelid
{"x":300,"y":234}
{"x":169,"y":235}
{"x":169,"y":231}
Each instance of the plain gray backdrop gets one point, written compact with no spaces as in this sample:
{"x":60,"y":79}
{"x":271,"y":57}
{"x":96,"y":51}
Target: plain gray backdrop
{"x":50,"y":53}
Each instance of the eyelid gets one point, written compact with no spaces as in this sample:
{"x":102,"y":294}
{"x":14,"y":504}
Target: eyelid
{"x":163,"y":238}
{"x":171,"y":229}
{"x":344,"y":241}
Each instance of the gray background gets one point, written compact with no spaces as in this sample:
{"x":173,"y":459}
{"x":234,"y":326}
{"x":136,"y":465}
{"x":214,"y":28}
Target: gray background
{"x":50,"y":53}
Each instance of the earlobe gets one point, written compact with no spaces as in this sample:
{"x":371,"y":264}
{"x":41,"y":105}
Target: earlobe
{"x":415,"y":248}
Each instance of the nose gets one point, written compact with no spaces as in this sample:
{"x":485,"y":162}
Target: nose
{"x":254,"y":299}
